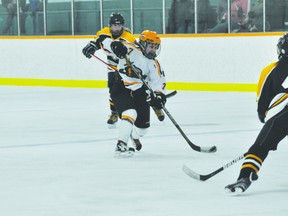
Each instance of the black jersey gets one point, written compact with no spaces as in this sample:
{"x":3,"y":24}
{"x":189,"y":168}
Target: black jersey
{"x":272,"y":92}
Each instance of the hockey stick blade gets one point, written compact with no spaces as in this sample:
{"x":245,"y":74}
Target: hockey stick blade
{"x":171,"y":94}
{"x":195,"y":147}
{"x":211,"y":149}
{"x":200,"y":177}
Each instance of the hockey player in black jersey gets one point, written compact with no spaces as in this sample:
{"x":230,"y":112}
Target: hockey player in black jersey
{"x":272,"y":94}
{"x":103,"y":39}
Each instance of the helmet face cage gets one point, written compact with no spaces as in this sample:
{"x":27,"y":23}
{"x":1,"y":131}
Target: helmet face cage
{"x":116,"y":19}
{"x":282,"y":46}
{"x":150,"y":37}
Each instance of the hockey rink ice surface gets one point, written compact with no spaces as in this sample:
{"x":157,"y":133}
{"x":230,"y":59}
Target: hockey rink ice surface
{"x":57,"y":157}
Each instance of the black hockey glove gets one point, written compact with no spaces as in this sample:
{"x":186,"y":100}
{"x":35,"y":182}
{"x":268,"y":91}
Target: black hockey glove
{"x":119,"y":49}
{"x":158,"y":101}
{"x":261,"y":118}
{"x":89,"y":49}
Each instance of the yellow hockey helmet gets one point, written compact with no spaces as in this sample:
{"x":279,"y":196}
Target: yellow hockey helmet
{"x":149,"y":37}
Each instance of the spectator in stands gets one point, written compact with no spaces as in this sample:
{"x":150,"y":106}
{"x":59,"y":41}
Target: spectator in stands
{"x":36,"y":6}
{"x":254,"y":21}
{"x":277,"y":14}
{"x":221,"y":10}
{"x":11,"y":6}
{"x":182,"y":16}
{"x":24,"y":7}
{"x":239,"y":9}
{"x":206,"y":16}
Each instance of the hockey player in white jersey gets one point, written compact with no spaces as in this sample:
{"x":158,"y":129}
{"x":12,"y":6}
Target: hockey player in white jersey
{"x":130,"y":96}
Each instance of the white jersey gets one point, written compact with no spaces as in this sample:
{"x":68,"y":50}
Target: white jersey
{"x":150,"y":70}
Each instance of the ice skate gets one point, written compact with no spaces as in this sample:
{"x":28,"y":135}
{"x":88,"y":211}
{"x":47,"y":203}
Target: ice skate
{"x":137,"y":144}
{"x":122,"y":150}
{"x":241,"y":185}
{"x":113,"y":118}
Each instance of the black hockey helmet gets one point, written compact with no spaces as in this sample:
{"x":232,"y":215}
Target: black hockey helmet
{"x":116,"y":18}
{"x":282,"y":46}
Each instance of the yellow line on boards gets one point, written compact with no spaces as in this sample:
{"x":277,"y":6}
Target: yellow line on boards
{"x":48,"y":37}
{"x":221,"y":87}
{"x":186,"y":86}
{"x":54,"y":83}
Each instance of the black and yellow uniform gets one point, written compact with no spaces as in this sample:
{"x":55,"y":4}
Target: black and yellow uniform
{"x":103,"y":39}
{"x":272,"y":105}
{"x":272,"y":98}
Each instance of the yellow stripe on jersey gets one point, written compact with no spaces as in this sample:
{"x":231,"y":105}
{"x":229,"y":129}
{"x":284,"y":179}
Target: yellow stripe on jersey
{"x":104,"y":31}
{"x":130,"y":83}
{"x":264,"y":74}
{"x":113,"y":67}
{"x":158,"y":67}
{"x":126,"y":35}
{"x":280,"y":100}
{"x":132,"y":45}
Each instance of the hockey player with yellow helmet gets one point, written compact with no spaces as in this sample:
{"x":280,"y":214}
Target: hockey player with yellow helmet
{"x":130,"y":96}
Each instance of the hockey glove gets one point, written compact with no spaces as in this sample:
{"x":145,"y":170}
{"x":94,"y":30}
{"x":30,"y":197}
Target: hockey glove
{"x":89,"y":49}
{"x":261,"y":118}
{"x":158,"y":101}
{"x":119,"y":49}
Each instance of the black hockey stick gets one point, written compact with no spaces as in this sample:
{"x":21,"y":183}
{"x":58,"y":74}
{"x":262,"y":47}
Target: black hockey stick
{"x":171,"y":94}
{"x":192,"y":145}
{"x":200,"y":177}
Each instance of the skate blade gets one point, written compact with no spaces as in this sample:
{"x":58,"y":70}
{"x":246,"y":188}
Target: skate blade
{"x":237,"y":192}
{"x":112,"y":126}
{"x":126,"y":154}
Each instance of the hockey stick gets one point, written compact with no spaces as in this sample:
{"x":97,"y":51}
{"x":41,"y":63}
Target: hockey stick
{"x":110,"y":66}
{"x":115,"y":68}
{"x":200,"y":177}
{"x":171,"y":94}
{"x":192,"y":145}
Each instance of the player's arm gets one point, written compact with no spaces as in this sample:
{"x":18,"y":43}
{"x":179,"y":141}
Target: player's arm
{"x":158,"y":84}
{"x":94,"y":45}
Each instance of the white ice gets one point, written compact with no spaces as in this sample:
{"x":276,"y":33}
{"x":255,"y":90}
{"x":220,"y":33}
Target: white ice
{"x":57,"y":157}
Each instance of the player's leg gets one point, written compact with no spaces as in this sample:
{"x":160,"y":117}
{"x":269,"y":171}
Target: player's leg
{"x":113,"y":118}
{"x":143,"y":118}
{"x":274,"y":130}
{"x":125,"y":107}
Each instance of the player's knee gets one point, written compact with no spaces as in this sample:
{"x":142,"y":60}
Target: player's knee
{"x":129,"y":115}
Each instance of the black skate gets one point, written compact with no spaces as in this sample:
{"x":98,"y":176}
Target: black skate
{"x":137,"y":144}
{"x":241,"y":185}
{"x":113,"y":118}
{"x":122,"y":150}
